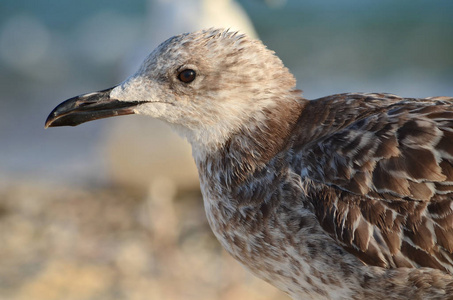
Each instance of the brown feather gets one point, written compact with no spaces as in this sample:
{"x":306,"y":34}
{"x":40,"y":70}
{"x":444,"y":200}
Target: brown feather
{"x":406,"y":161}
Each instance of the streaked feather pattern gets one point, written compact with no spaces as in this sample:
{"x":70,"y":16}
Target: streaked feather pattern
{"x":344,"y":197}
{"x":380,"y":169}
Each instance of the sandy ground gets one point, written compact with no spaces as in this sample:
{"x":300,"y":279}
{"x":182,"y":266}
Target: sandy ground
{"x":105,"y":243}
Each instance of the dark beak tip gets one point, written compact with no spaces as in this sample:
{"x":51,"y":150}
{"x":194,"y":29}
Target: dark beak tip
{"x":54,"y":117}
{"x":89,"y":107}
{"x":48,"y":124}
{"x":49,"y":120}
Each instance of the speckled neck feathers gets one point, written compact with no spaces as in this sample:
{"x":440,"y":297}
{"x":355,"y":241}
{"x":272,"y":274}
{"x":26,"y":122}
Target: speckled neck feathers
{"x":349,"y":196}
{"x":250,"y":148}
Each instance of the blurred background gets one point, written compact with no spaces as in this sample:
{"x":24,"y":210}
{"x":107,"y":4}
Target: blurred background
{"x":111,"y":209}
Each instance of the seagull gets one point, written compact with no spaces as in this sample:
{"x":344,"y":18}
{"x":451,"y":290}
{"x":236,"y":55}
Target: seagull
{"x":343,"y":197}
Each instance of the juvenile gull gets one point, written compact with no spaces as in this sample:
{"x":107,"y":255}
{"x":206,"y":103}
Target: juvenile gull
{"x":343,"y":197}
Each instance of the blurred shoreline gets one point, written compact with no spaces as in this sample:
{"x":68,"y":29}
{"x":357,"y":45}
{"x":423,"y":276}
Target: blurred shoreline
{"x":76,"y":224}
{"x":106,"y":243}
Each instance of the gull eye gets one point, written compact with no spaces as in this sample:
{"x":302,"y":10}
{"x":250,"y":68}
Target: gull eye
{"x":187,"y":76}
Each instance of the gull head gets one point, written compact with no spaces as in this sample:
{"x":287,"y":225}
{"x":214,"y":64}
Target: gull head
{"x":207,"y":85}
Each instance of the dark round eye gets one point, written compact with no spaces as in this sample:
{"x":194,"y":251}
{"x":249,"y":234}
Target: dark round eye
{"x":187,"y":75}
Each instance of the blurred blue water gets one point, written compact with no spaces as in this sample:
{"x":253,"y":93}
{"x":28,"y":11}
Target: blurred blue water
{"x":51,"y":50}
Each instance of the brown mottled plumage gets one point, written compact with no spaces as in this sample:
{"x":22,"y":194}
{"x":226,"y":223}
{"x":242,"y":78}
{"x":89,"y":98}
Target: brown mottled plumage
{"x":343,"y":197}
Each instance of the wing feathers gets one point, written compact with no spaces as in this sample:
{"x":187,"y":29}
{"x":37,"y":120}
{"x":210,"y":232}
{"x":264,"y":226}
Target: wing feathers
{"x":382,"y":179}
{"x":445,"y":145}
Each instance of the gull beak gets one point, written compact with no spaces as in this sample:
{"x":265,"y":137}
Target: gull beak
{"x":89,"y":107}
